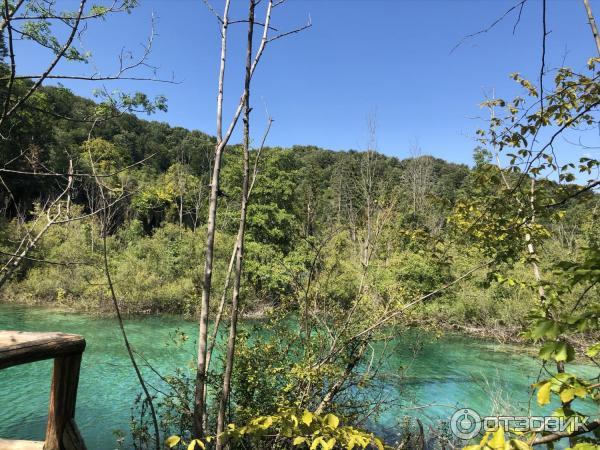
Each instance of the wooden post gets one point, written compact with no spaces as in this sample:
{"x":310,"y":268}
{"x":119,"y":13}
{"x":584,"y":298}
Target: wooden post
{"x":61,"y":411}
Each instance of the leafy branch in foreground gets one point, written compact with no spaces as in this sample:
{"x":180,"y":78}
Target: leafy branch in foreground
{"x":288,"y":428}
{"x":510,"y":220}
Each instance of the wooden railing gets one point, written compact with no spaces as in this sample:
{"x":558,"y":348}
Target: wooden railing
{"x":19,"y":347}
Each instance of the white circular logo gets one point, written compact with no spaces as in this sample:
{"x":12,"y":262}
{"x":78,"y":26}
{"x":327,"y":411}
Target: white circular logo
{"x":465,"y":423}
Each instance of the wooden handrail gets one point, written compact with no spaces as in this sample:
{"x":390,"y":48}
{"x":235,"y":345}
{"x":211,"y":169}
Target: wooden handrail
{"x":20,"y":347}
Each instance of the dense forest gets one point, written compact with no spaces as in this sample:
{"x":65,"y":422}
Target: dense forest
{"x":304,"y":197}
{"x":334,"y":256}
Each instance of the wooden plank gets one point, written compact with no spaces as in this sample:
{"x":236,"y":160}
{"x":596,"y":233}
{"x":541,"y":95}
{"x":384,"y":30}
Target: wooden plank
{"x":20,"y":347}
{"x":20,"y":445}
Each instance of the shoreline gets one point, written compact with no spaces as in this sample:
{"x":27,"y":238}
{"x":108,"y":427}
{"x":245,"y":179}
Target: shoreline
{"x":502,"y":335}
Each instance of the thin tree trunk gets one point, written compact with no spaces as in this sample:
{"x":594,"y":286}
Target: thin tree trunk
{"x":231,"y":265}
{"x":222,"y":139}
{"x":138,"y":373}
{"x":199,"y":403}
{"x":240,"y":237}
{"x":592,"y":22}
{"x":104,"y":226}
{"x":217,"y":322}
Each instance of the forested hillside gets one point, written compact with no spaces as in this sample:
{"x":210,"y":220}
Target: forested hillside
{"x":352,"y":209}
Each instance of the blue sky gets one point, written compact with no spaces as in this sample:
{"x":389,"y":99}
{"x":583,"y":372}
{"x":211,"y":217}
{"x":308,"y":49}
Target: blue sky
{"x":390,"y":57}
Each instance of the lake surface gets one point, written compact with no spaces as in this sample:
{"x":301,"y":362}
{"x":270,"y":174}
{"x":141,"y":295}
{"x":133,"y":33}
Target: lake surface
{"x":448,"y":372}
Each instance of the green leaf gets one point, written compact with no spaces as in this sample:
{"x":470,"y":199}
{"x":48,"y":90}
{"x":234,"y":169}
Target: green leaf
{"x":593,"y":350}
{"x":564,"y":352}
{"x":547,"y":350}
{"x":541,"y":328}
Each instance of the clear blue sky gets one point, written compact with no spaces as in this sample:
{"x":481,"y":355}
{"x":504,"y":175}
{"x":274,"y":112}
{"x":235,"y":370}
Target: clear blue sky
{"x":360,"y":56}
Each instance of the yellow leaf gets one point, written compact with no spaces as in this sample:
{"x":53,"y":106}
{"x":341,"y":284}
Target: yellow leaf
{"x":267,"y":422}
{"x":567,"y":395}
{"x":543,"y":395}
{"x":378,"y":444}
{"x":307,"y":417}
{"x":294,"y":420}
{"x":580,"y":391}
{"x":517,"y":444}
{"x":299,"y":440}
{"x":350,"y":443}
{"x":331,"y":420}
{"x":194,"y":443}
{"x":497,"y":442}
{"x":484,"y":439}
{"x":172,"y":441}
{"x":316,"y":443}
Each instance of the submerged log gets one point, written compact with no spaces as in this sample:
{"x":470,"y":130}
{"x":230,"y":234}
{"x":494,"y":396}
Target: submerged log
{"x":19,"y":347}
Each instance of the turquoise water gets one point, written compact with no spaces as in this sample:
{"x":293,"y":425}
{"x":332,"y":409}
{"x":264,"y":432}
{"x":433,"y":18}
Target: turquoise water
{"x":446,"y":373}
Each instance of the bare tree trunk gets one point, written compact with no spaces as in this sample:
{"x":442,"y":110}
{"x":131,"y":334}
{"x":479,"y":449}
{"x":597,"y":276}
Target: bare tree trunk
{"x":592,"y":22}
{"x":222,"y":139}
{"x":199,"y":404}
{"x":239,"y":245}
{"x":531,"y":248}
{"x":217,"y":322}
{"x":181,"y":210}
{"x":199,"y":400}
{"x":232,"y":261}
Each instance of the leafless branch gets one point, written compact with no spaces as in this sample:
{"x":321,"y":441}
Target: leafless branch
{"x":493,"y":24}
{"x":297,"y":30}
{"x":212,"y":10}
{"x":78,"y":174}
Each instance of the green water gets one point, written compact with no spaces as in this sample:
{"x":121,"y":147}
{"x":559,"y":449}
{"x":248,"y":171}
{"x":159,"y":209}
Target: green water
{"x":446,"y":373}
